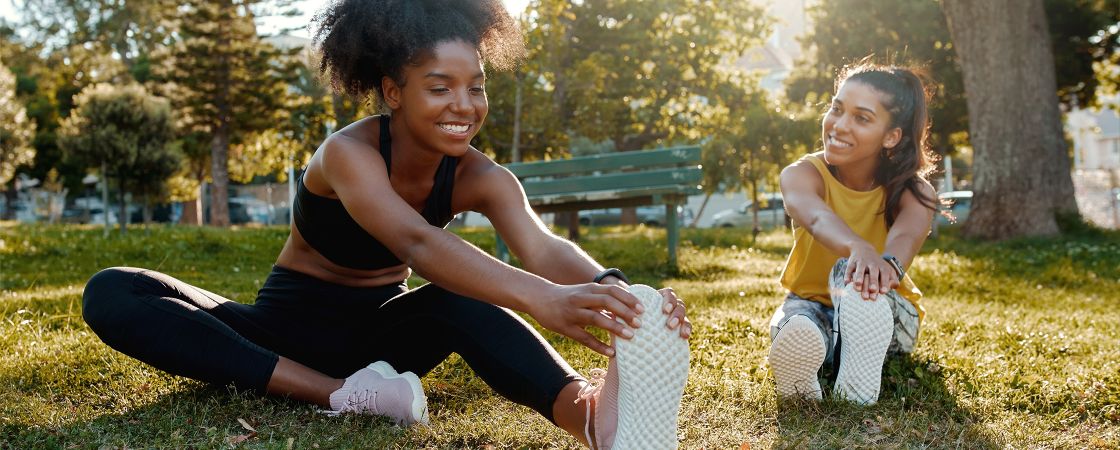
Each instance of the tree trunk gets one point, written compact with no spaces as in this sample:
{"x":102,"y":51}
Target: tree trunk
{"x":219,"y":171}
{"x":147,"y":209}
{"x":192,"y":210}
{"x":696,"y":219}
{"x":1021,"y":170}
{"x":219,"y":141}
{"x":10,"y":194}
{"x":515,"y":151}
{"x":105,"y":197}
{"x":122,"y":217}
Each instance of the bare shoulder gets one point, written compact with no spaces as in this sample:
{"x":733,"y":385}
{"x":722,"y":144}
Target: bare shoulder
{"x":340,"y":150}
{"x":482,"y":180}
{"x":801,"y":176}
{"x":476,"y":167}
{"x":924,"y":187}
{"x":341,"y":157}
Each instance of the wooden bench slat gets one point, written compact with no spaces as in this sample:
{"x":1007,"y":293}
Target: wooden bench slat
{"x":577,"y":199}
{"x":611,"y":161}
{"x":615,"y":181}
{"x":663,"y":176}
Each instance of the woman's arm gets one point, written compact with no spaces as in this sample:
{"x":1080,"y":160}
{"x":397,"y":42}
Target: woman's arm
{"x":498,"y":195}
{"x":358,"y":177}
{"x":911,"y":227}
{"x":803,"y":193}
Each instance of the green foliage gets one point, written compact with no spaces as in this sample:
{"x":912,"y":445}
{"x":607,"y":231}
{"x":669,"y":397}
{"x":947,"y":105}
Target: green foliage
{"x":751,"y":138}
{"x":15,"y":129}
{"x":1018,"y":349}
{"x":635,"y":73}
{"x":903,"y":32}
{"x":1073,"y":26}
{"x":130,"y":29}
{"x":914,"y":32}
{"x":231,"y":89}
{"x":126,"y":130}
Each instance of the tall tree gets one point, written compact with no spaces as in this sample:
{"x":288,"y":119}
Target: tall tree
{"x":128,"y":30}
{"x":633,"y":73}
{"x":15,"y":133}
{"x":45,"y":84}
{"x":228,"y":84}
{"x":1085,"y":34}
{"x":126,"y":131}
{"x":752,"y":139}
{"x":1021,"y":167}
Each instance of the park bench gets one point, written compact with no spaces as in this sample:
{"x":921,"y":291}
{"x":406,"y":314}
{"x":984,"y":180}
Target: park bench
{"x":649,"y":177}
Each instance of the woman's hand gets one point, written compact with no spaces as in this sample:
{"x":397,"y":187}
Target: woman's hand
{"x":675,"y":309}
{"x":570,"y":309}
{"x":869,"y":273}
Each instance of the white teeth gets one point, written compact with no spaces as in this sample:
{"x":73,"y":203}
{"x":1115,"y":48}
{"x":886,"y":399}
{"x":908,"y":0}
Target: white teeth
{"x":834,"y":142}
{"x":455,"y":128}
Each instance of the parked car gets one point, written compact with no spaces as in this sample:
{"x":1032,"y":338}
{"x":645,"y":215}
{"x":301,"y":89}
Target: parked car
{"x":96,"y":216}
{"x":771,"y":214}
{"x":960,"y":202}
{"x":653,"y":215}
{"x":248,"y":210}
{"x":21,"y":211}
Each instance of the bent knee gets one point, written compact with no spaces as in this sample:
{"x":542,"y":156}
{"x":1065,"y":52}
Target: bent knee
{"x":103,"y":292}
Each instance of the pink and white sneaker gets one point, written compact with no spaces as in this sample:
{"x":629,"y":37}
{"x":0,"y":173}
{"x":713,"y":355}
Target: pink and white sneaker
{"x":380,"y":390}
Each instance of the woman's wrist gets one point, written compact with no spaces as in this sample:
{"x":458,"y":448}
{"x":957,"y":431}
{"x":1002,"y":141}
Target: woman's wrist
{"x":895,"y":264}
{"x":860,"y":246}
{"x":611,"y":276}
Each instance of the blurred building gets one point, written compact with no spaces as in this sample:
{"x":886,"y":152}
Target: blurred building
{"x":1096,"y":161}
{"x":1096,"y":137}
{"x":774,"y":60}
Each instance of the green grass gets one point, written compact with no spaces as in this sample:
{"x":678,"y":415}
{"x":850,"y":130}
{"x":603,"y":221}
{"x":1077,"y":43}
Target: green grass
{"x":1020,"y":348}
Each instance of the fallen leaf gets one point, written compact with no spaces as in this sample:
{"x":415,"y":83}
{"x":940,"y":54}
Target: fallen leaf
{"x":745,"y":446}
{"x":246,"y":425}
{"x":234,"y":440}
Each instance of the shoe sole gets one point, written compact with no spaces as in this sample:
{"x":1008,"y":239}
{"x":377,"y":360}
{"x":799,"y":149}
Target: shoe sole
{"x":419,"y":407}
{"x":866,"y":328}
{"x":795,"y":357}
{"x":652,"y":372}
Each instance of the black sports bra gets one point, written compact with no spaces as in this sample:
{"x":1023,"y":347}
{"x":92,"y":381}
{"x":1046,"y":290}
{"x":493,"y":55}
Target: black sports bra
{"x":329,"y":229}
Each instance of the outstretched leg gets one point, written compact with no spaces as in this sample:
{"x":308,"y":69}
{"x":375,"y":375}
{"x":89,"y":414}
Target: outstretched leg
{"x":865,"y":328}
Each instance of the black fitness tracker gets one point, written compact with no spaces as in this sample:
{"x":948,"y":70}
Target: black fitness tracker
{"x":611,"y":271}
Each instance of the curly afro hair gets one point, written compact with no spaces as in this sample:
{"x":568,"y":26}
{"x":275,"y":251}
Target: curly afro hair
{"x":362,"y":41}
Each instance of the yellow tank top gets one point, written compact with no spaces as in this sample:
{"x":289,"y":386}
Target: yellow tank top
{"x":807,"y":269}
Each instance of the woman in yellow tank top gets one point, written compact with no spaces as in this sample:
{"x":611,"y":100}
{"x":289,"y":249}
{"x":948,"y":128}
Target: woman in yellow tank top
{"x":861,"y":210}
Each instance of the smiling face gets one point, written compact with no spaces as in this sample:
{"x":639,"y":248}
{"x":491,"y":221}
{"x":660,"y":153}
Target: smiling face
{"x":442,"y":103}
{"x":857,"y":127}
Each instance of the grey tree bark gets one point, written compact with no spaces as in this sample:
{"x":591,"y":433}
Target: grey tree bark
{"x":1021,"y":167}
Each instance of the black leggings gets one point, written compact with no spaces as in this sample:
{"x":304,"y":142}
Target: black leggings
{"x":331,"y":328}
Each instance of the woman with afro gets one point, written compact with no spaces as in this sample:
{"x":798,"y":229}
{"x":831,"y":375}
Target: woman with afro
{"x":334,"y":323}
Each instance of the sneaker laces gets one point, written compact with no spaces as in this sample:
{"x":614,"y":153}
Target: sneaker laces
{"x":587,"y":393}
{"x":360,"y":397}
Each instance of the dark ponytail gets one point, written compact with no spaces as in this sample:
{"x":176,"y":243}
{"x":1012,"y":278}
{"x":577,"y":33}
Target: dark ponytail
{"x":904,"y":166}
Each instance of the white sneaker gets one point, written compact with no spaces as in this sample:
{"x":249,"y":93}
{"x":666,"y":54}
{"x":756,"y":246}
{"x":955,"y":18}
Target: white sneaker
{"x":652,"y":372}
{"x":380,"y":390}
{"x":797,"y":353}
{"x":866,"y":328}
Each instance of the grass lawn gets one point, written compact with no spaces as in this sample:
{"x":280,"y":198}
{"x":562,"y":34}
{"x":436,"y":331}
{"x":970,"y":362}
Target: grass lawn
{"x":1020,"y":348}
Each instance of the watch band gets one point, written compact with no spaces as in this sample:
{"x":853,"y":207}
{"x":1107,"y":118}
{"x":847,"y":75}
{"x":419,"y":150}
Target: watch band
{"x":609,"y":272}
{"x":896,"y":264}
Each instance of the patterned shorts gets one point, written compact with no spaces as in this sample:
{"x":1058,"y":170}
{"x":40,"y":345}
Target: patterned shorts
{"x":906,"y":326}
